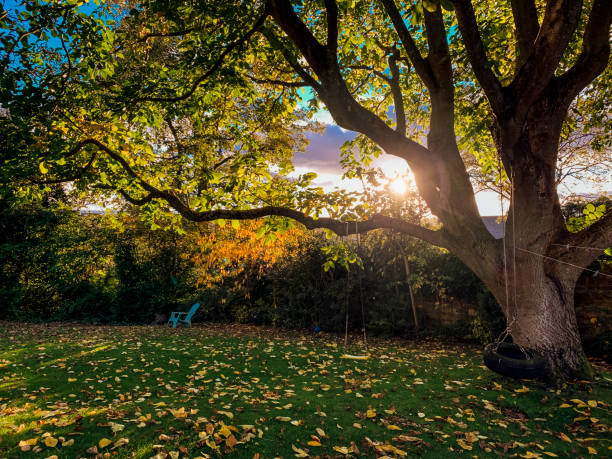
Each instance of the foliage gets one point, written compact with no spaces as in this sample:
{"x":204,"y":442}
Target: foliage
{"x":57,"y":264}
{"x":76,"y":391}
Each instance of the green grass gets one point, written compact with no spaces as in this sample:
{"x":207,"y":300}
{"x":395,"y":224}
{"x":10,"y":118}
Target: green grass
{"x":161,"y":389}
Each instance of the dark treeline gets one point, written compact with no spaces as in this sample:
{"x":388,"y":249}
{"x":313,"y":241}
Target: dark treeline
{"x":56,"y":264}
{"x":60,"y":265}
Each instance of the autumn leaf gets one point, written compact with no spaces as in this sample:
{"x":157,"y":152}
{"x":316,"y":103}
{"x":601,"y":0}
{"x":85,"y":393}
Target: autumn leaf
{"x":103,"y":443}
{"x":464,"y":444}
{"x":50,"y":442}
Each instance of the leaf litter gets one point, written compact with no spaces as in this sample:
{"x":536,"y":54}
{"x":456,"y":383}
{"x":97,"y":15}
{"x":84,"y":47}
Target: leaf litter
{"x":82,"y":391}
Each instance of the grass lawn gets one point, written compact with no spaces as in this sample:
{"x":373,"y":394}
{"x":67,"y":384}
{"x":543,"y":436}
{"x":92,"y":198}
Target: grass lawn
{"x":74,"y":391}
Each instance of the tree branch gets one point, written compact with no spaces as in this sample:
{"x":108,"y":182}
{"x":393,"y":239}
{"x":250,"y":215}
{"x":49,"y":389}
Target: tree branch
{"x":559,"y":23}
{"x":526,"y":24}
{"x":437,"y":237}
{"x":345,"y":110}
{"x":477,"y":54}
{"x":398,"y":99}
{"x":332,"y":26}
{"x":570,"y":248}
{"x":595,"y":52}
{"x":421,"y":66}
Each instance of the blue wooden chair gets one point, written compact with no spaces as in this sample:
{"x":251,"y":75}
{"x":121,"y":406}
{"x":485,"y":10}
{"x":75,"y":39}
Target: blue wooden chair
{"x":183,"y":317}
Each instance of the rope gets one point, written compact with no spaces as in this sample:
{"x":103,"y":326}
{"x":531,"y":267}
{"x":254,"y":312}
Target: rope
{"x":348,"y":278}
{"x":579,"y":247}
{"x":509,"y":324}
{"x":363,"y":323}
{"x":564,"y":262}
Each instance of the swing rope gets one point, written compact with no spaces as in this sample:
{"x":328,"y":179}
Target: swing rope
{"x":350,"y":356}
{"x":363,"y":323}
{"x":346,"y":309}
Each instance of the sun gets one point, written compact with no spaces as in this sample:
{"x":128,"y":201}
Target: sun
{"x":398,"y":185}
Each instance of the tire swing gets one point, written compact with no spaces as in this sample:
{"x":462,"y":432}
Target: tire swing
{"x":510,"y":359}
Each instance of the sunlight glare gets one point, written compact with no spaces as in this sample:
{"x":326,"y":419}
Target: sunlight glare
{"x":398,"y":185}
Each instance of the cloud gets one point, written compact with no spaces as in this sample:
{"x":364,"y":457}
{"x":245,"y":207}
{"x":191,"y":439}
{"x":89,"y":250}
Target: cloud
{"x":323,"y":152}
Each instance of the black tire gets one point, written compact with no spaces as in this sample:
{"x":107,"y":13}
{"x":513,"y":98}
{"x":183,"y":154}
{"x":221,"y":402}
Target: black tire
{"x":509,"y":360}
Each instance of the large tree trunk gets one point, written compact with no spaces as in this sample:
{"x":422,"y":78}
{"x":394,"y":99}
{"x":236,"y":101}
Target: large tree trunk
{"x":540,"y":316}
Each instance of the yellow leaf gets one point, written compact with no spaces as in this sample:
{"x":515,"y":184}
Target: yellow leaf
{"x":179,"y":414}
{"x":578,"y":402}
{"x":393,"y":427}
{"x":548,"y":453}
{"x":72,"y":379}
{"x":104,"y":443}
{"x":530,"y":455}
{"x":314,"y":443}
{"x":421,"y":415}
{"x":565,"y":405}
{"x":356,"y":425}
{"x":522,"y":390}
{"x":43,"y":169}
{"x":371,"y":413}
{"x":68,"y":443}
{"x":464,"y":445}
{"x":227,"y":413}
{"x":321,"y":432}
{"x":299,"y":452}
{"x":341,"y":449}
{"x":283,"y":418}
{"x":592,"y":450}
{"x":30,"y":442}
{"x":592,"y":403}
{"x":564,"y":437}
{"x":225,"y":431}
{"x":50,"y":442}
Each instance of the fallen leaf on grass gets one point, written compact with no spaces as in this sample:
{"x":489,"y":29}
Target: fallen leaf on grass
{"x":50,"y":442}
{"x":104,"y":443}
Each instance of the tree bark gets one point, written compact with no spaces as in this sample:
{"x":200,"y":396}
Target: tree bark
{"x":540,"y":315}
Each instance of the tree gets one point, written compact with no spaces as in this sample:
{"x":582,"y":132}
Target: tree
{"x":489,"y":78}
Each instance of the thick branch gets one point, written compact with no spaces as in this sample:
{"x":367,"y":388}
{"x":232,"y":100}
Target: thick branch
{"x":421,"y":66}
{"x":333,"y":91}
{"x":332,"y":26}
{"x":558,"y":26}
{"x":477,"y":54}
{"x":595,"y":52}
{"x":398,"y":99}
{"x":573,"y":248}
{"x":526,"y":23}
{"x":339,"y":227}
